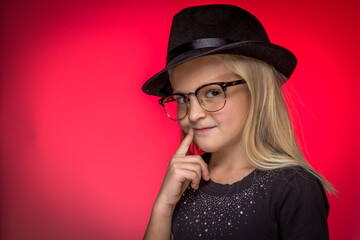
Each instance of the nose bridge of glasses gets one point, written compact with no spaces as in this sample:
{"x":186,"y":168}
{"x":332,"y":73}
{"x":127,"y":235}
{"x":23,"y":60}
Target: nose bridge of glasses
{"x":194,"y":105}
{"x":188,"y":95}
{"x":195,"y":97}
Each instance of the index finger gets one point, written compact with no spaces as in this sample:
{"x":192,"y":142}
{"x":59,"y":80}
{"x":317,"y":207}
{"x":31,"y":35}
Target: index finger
{"x":185,"y":144}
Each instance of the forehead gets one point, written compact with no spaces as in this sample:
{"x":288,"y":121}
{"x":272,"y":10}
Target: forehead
{"x":188,"y":76}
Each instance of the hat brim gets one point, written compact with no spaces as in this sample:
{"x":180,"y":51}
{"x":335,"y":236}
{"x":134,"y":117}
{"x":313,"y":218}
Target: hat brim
{"x":280,"y":58}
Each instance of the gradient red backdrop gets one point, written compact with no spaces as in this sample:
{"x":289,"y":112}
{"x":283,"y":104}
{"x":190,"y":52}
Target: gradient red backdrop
{"x":84,"y":151}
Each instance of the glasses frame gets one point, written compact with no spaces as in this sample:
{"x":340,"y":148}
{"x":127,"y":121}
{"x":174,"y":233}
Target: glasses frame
{"x":223,"y":85}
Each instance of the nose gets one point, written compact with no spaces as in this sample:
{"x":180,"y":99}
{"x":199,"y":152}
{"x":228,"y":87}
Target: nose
{"x":196,"y":112}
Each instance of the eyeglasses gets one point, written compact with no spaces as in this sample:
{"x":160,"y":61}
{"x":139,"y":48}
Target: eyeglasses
{"x":211,"y":96}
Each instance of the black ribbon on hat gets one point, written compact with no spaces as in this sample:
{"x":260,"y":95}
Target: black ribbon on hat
{"x":197,"y":44}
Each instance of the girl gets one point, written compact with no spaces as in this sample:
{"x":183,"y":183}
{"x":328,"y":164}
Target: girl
{"x":222,"y":83}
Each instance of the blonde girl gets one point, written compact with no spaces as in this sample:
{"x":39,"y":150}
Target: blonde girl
{"x":223,"y":84}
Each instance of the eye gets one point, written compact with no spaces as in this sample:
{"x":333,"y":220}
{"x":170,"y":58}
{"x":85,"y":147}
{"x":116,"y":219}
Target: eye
{"x":181,"y":100}
{"x":212,"y":93}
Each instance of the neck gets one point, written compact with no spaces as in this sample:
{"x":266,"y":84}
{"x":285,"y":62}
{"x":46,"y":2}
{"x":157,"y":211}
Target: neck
{"x":229,"y":165}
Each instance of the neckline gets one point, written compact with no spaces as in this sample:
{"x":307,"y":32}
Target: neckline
{"x":212,"y":187}
{"x":216,"y":188}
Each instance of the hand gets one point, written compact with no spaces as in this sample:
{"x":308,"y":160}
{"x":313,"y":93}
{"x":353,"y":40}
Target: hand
{"x":182,"y":171}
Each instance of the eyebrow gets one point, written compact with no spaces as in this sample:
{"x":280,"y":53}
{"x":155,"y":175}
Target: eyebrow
{"x":238,"y":76}
{"x":181,"y":92}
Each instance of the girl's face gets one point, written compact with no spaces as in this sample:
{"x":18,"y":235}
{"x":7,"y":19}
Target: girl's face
{"x":219,"y":130}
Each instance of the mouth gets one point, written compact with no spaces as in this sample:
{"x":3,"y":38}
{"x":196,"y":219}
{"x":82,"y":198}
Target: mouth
{"x":200,"y":130}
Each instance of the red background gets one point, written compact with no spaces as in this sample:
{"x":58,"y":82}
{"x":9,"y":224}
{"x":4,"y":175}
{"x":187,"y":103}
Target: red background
{"x":84,"y":151}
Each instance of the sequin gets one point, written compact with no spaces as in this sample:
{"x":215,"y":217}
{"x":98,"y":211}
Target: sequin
{"x":224,"y":213}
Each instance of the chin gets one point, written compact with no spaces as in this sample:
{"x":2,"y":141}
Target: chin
{"x":207,"y":146}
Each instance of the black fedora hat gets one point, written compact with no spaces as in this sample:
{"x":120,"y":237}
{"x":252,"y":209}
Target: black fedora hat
{"x":217,"y":29}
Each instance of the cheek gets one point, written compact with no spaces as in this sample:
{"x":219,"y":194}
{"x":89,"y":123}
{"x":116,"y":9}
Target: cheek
{"x":183,"y":126}
{"x":234,"y":116}
{"x":228,"y":120}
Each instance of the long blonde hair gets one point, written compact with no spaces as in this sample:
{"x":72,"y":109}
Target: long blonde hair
{"x":268,"y":134}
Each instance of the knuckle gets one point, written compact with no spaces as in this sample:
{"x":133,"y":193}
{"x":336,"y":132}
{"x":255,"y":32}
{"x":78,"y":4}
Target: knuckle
{"x":174,"y":158}
{"x":176,"y":171}
{"x":198,"y":158}
{"x":194,"y":175}
{"x":175,"y":165}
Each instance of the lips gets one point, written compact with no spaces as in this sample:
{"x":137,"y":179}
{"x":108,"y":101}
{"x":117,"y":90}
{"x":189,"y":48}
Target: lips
{"x":203,"y":129}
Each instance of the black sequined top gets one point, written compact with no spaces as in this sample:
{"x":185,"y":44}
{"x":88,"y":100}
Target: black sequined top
{"x":287,"y":203}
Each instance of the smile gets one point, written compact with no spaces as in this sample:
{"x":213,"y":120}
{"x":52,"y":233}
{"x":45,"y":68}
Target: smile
{"x":199,"y":130}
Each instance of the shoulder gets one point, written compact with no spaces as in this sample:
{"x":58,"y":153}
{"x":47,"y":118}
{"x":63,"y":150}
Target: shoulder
{"x":296,"y":182}
{"x":294,"y":175}
{"x":292,"y":187}
{"x":300,"y":203}
{"x":297,"y":179}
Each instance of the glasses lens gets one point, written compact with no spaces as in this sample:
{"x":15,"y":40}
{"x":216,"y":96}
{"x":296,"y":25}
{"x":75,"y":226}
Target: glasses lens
{"x":212,"y":98}
{"x":175,"y":106}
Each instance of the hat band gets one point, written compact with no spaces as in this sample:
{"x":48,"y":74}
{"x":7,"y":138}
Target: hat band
{"x":197,"y":44}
